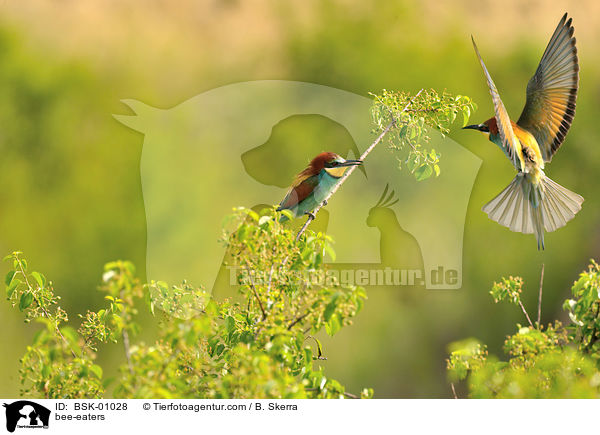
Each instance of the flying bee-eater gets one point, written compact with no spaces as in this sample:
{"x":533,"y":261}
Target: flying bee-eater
{"x":532,"y":202}
{"x":313,"y":184}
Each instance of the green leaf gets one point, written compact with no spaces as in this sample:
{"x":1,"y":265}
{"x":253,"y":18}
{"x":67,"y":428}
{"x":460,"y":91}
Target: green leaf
{"x":46,"y":371}
{"x":41,"y":279}
{"x":329,"y":250}
{"x":423,"y":172}
{"x":436,"y":169}
{"x":334,"y":325}
{"x":287,"y":213}
{"x":264,"y":220}
{"x":466,"y":110}
{"x":403,"y":131}
{"x":229,"y":324}
{"x":70,"y":334}
{"x":306,"y":253}
{"x":412,"y":162}
{"x":97,"y":370}
{"x":331,"y":306}
{"x":253,"y":215}
{"x":242,"y":231}
{"x":11,"y":288}
{"x":9,"y":276}
{"x":26,"y":300}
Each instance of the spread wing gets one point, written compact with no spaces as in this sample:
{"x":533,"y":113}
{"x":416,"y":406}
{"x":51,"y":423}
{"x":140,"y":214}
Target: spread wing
{"x":552,"y":91}
{"x":510,"y":143}
{"x":303,"y":186}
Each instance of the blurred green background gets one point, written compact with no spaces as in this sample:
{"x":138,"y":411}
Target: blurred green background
{"x":71,"y":196}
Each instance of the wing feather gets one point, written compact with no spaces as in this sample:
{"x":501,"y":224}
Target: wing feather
{"x":302,"y":187}
{"x":552,"y":91}
{"x":511,"y":144}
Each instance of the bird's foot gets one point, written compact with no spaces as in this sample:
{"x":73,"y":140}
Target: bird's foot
{"x":324,"y":202}
{"x":311,"y":215}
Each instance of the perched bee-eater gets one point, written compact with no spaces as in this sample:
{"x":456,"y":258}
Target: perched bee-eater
{"x":532,"y":202}
{"x":313,"y":184}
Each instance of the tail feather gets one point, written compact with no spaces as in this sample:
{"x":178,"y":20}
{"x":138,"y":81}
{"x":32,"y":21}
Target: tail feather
{"x":528,"y":207}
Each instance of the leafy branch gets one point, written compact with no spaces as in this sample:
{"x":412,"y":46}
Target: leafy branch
{"x":407,"y":140}
{"x":406,"y":120}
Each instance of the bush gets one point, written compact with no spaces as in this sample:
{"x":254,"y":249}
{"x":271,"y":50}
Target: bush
{"x":544,"y":362}
{"x":262,"y":346}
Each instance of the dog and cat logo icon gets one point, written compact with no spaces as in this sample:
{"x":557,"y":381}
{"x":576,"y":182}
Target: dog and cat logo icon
{"x":25,"y":414}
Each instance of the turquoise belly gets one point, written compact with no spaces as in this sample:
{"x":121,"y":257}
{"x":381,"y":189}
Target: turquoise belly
{"x":326,"y":184}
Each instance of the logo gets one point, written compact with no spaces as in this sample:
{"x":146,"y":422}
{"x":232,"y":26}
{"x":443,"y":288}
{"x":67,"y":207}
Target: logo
{"x":25,"y":414}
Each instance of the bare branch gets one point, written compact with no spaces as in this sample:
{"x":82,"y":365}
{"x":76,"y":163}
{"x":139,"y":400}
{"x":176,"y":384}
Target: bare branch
{"x":539,"y":314}
{"x":126,"y":344}
{"x":253,"y":286}
{"x":453,"y":390}
{"x":351,"y":169}
{"x":296,"y":320}
{"x":525,"y":312}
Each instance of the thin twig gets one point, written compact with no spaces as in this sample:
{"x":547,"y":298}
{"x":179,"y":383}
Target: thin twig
{"x":126,"y":344}
{"x":539,"y":316}
{"x":296,"y":320}
{"x":253,"y":286}
{"x":526,"y":315}
{"x":44,"y":310}
{"x":270,"y":278}
{"x":351,"y":169}
{"x":348,"y":395}
{"x":453,"y":390}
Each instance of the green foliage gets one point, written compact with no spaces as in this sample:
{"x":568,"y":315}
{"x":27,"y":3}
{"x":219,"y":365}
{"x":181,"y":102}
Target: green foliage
{"x":56,"y":364}
{"x":584,"y":311}
{"x":465,"y":355}
{"x":415,"y":116}
{"x":263,"y":346}
{"x":116,"y":320}
{"x":508,"y":289}
{"x":550,"y":362}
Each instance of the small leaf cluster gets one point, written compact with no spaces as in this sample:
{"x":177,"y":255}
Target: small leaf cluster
{"x":530,"y":342}
{"x":414,"y":117}
{"x":584,"y":311}
{"x":508,"y":289}
{"x":465,"y":356}
{"x":544,"y":362}
{"x":56,"y":364}
{"x":263,"y":344}
{"x":111,"y":323}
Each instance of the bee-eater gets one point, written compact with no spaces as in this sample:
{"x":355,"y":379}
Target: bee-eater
{"x":532,"y":202}
{"x":313,"y":184}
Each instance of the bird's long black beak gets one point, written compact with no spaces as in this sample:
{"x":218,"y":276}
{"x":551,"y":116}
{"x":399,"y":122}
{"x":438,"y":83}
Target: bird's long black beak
{"x":480,"y":127}
{"x":351,"y":163}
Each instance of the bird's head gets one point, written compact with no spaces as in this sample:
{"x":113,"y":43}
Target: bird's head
{"x":489,"y":127}
{"x":334,"y":164}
